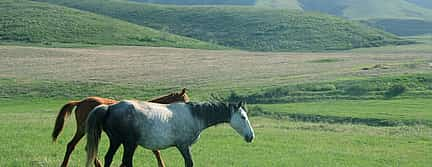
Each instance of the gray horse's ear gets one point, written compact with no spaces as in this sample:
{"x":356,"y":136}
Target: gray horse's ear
{"x":240,"y":104}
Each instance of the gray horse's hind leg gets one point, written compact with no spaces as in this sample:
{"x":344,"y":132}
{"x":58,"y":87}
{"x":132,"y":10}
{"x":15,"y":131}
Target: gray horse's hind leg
{"x":129,"y":150}
{"x":187,"y":156}
{"x":114,"y":145}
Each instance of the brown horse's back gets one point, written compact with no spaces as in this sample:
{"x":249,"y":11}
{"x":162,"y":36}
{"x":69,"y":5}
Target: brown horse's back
{"x":86,"y":106}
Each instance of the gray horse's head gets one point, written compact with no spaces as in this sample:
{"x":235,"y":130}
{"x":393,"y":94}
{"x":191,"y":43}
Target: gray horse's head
{"x":240,"y":122}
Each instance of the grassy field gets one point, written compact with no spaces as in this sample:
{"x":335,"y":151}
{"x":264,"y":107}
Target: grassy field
{"x":26,"y":128}
{"x":245,"y":28}
{"x":201,"y":70}
{"x":322,"y":126}
{"x":26,"y":22}
{"x":380,"y":112}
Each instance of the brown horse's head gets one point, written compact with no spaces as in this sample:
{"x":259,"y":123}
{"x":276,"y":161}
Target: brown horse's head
{"x":172,"y":98}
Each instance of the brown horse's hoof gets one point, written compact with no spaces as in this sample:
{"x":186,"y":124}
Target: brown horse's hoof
{"x":98,"y":163}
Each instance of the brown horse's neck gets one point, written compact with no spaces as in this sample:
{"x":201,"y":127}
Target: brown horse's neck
{"x":211,"y":113}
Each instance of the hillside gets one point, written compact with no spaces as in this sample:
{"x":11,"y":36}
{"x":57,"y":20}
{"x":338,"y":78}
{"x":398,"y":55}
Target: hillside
{"x":403,"y":27}
{"x":368,"y":9}
{"x":244,"y":27}
{"x":413,"y":17}
{"x":200,"y":2}
{"x":41,"y":23}
{"x":422,"y":3}
{"x":354,"y":9}
{"x":279,"y":4}
{"x":359,"y":9}
{"x":401,"y":17}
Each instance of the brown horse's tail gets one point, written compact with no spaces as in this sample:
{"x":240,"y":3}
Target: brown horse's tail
{"x":94,"y":129}
{"x":65,"y":111}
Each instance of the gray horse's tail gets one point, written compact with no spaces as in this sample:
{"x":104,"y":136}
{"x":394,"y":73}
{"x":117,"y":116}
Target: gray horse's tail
{"x":94,"y":129}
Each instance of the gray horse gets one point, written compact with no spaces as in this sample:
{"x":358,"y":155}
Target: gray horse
{"x":159,"y":126}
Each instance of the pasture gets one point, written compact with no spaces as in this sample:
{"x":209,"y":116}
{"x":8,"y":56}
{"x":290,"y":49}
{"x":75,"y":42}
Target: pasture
{"x":26,"y":141}
{"x":36,"y":82}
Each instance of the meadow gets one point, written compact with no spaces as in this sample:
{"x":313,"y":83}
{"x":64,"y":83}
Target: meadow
{"x":308,"y":109}
{"x":26,"y":128}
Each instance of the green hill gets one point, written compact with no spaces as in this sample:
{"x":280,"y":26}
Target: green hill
{"x":368,"y":9}
{"x":355,"y":9}
{"x":401,"y":17}
{"x":359,"y":9}
{"x":403,"y":27}
{"x":244,"y":27}
{"x":279,"y":4}
{"x":33,"y":22}
{"x":422,"y":3}
{"x":200,"y":2}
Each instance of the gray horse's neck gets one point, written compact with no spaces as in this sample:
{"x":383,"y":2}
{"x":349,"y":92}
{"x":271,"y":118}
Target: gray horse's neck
{"x":211,"y":113}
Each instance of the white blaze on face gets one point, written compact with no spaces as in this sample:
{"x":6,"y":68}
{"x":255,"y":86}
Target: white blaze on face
{"x":240,"y":123}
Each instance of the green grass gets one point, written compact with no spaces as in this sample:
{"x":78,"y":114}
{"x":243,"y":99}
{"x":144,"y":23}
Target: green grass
{"x":279,"y":4}
{"x":26,"y":22}
{"x":327,"y":60}
{"x":200,"y":2}
{"x":422,"y":3}
{"x":389,"y":112}
{"x":363,"y":9}
{"x":24,"y":89}
{"x":403,"y":27}
{"x":26,"y":142}
{"x":417,"y":85}
{"x":245,"y":27}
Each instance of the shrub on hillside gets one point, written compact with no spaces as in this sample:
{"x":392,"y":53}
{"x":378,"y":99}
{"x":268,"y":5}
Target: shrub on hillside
{"x":395,"y":90}
{"x":356,"y":90}
{"x":318,"y":87}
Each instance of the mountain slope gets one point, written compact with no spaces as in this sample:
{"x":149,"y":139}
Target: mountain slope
{"x":401,"y":17}
{"x":403,"y":27}
{"x":33,"y":22}
{"x":422,"y":3}
{"x":200,"y":2}
{"x":244,"y":27}
{"x":368,"y":9}
{"x":279,"y":4}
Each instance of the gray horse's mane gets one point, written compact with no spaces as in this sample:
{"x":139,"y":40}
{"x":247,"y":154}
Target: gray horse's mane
{"x":211,"y":112}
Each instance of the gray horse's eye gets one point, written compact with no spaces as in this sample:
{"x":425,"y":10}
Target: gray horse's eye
{"x":243,"y":117}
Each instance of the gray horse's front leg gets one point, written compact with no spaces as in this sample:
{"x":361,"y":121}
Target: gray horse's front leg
{"x":185,"y":151}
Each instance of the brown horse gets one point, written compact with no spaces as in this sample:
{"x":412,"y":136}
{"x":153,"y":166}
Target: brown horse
{"x":82,"y":111}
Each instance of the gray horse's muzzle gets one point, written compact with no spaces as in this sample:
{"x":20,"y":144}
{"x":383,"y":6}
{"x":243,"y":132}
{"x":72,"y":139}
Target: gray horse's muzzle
{"x":249,"y":138}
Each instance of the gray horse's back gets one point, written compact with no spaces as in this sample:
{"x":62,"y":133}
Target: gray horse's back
{"x":156,"y":126}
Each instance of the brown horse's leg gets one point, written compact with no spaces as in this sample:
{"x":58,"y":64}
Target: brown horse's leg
{"x":159,"y":158}
{"x":97,"y":163}
{"x":80,"y":118}
{"x":71,"y":146}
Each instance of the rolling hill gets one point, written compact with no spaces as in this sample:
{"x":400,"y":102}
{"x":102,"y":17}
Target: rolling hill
{"x":402,"y":27}
{"x":41,"y":23}
{"x":401,"y":17}
{"x":200,"y":2}
{"x":368,"y":9}
{"x":422,"y":3}
{"x":414,"y":17}
{"x":244,"y":27}
{"x":355,"y":9}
